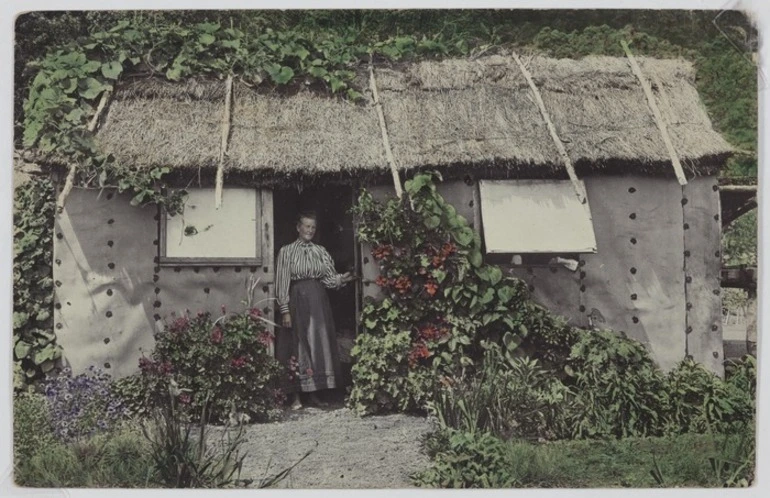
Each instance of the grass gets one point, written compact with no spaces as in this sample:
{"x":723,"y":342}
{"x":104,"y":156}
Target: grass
{"x":683,"y":462}
{"x":674,"y":461}
{"x":118,"y":460}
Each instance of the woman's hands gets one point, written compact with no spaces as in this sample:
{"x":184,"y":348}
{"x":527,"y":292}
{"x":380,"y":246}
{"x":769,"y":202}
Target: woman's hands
{"x":347,"y":277}
{"x":286,"y":320}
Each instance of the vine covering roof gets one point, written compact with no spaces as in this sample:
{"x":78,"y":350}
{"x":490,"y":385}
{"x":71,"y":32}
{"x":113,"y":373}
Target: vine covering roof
{"x":455,"y":112}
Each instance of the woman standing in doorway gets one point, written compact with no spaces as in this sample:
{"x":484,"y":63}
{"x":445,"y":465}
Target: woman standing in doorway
{"x":304,"y":271}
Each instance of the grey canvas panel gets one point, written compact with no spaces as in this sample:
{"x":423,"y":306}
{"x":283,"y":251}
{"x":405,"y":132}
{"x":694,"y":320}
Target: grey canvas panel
{"x":110,"y":292}
{"x":557,"y":288}
{"x":700,"y":198}
{"x":103,"y":252}
{"x":635,"y":282}
{"x":208,"y":289}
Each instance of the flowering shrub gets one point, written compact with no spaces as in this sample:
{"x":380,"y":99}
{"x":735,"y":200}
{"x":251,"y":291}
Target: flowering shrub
{"x":440,"y":300}
{"x":82,"y":405}
{"x":222,"y":364}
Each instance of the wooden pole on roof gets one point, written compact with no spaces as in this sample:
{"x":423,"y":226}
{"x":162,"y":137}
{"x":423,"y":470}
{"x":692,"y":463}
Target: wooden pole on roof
{"x":223,"y":143}
{"x":70,"y":181}
{"x":384,"y":130}
{"x":680,"y":176}
{"x":579,"y":190}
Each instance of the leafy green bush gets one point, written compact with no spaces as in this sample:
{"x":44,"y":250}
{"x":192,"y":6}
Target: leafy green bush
{"x":699,"y":401}
{"x":618,"y":388}
{"x":509,"y":397}
{"x":34,"y":343}
{"x":472,"y":460}
{"x":222,"y":365}
{"x":604,"y":40}
{"x":384,"y":379}
{"x":742,"y":374}
{"x":440,"y":300}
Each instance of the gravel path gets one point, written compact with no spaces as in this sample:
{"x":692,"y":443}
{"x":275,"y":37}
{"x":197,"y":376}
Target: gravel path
{"x":347,"y":451}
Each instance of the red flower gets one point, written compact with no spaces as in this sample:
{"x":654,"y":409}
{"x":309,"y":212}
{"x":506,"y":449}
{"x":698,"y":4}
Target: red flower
{"x":216,"y":335}
{"x":431,"y":287}
{"x":430,"y":332}
{"x":309,"y":372}
{"x":165,"y":368}
{"x":382,"y":281}
{"x":419,"y":350}
{"x":403,"y":284}
{"x":184,"y":398}
{"x":239,"y":362}
{"x":382,"y":251}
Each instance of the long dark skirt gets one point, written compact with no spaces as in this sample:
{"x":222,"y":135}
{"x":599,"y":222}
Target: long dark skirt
{"x":313,"y":339}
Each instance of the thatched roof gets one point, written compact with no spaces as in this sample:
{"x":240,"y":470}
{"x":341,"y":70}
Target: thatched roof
{"x":451,"y":113}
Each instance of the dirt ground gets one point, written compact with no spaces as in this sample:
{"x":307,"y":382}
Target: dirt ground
{"x":347,"y":451}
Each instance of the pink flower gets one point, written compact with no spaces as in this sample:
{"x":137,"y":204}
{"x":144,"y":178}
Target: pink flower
{"x":179,"y":325}
{"x":309,"y":372}
{"x":184,"y":398}
{"x":216,"y":335}
{"x":255,"y":313}
{"x":265,"y":338}
{"x":146,"y":364}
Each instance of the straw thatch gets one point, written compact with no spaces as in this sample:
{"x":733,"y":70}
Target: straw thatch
{"x":454,"y":112}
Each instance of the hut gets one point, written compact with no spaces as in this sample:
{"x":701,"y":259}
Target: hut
{"x":593,"y":180}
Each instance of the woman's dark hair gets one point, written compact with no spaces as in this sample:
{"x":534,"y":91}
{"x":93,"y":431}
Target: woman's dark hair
{"x":311,"y":215}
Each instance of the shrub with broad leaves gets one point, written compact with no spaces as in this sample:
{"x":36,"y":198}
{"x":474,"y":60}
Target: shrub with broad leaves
{"x":440,"y":300}
{"x":223,"y":364}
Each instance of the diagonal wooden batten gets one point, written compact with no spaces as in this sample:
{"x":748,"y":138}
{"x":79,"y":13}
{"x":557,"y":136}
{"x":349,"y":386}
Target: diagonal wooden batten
{"x":680,"y":176}
{"x":579,"y":190}
{"x":384,"y":130}
{"x":223,"y":144}
{"x":70,"y":181}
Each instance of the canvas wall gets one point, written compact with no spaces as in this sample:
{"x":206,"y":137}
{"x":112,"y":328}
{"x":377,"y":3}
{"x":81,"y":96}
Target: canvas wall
{"x":651,"y":278}
{"x":110,"y":293}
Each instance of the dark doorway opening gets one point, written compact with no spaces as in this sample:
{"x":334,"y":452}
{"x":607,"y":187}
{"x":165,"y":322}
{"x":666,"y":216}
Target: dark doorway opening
{"x":331,"y":204}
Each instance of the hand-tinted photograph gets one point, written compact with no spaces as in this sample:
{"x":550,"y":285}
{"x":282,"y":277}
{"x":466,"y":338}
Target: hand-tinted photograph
{"x":385,"y":249}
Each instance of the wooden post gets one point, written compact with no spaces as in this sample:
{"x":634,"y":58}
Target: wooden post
{"x":223,"y":143}
{"x":384,"y":129}
{"x":680,"y":176}
{"x":70,"y":181}
{"x":579,"y":190}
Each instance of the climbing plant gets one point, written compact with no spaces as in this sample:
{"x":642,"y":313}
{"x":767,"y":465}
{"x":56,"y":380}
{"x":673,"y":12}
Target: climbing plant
{"x":34,"y":343}
{"x":72,"y":80}
{"x":440,"y":301}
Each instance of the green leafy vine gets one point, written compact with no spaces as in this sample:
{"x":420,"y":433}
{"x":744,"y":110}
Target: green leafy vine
{"x":440,"y":303}
{"x":64,"y":95}
{"x":34,"y":343}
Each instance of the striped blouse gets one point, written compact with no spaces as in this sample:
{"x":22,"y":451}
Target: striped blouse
{"x":301,"y":260}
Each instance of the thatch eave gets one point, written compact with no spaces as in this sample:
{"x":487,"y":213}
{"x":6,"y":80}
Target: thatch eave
{"x":473,"y":114}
